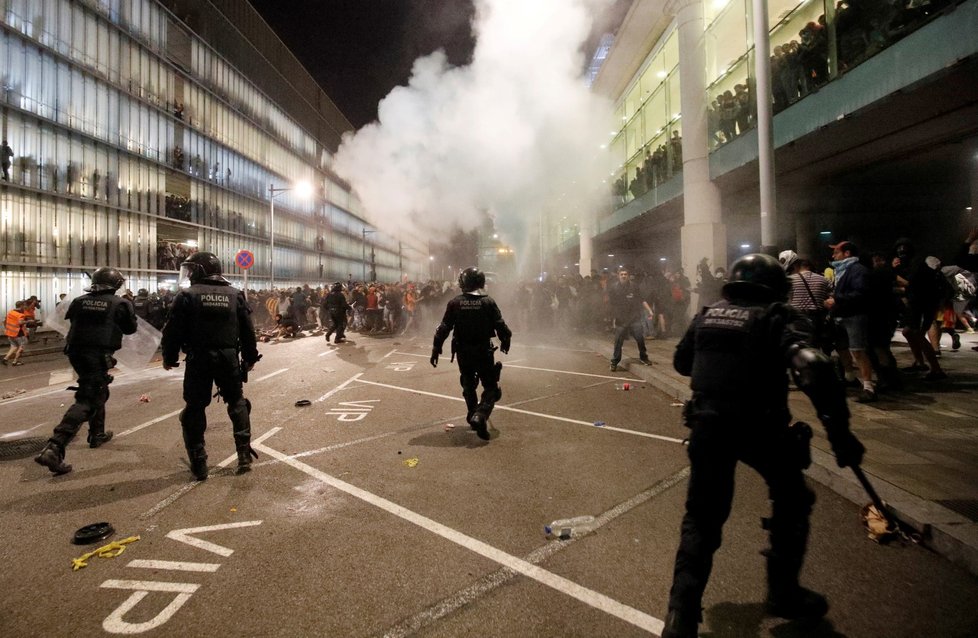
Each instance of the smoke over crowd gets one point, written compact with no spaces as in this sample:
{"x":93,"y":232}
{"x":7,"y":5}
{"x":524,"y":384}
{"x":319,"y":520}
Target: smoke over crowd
{"x":507,"y":134}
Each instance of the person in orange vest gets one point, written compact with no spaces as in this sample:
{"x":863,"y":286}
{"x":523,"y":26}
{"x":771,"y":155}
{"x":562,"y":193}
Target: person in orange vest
{"x":16,"y":329}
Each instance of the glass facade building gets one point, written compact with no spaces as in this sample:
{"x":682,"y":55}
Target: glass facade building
{"x":812,"y":42}
{"x":873,"y":128}
{"x":134,"y":141}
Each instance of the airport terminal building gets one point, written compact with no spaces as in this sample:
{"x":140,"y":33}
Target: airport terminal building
{"x":874,"y":120}
{"x":139,"y":131}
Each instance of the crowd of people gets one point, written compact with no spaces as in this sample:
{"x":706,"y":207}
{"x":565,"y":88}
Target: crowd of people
{"x":861,"y":300}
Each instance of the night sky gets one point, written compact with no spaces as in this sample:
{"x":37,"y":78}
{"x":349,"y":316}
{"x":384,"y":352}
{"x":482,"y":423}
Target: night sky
{"x":358,"y":50}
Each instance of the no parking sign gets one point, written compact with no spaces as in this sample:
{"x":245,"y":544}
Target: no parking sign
{"x":245,"y":259}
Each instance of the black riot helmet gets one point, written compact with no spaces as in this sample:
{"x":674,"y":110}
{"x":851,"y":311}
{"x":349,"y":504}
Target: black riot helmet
{"x":337,"y":287}
{"x":202,"y":267}
{"x":106,"y":279}
{"x":757,"y":277}
{"x":471,"y":279}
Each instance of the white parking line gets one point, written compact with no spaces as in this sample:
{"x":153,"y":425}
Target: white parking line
{"x":587,"y":596}
{"x":172,"y":565}
{"x":139,"y":427}
{"x":166,"y":416}
{"x":509,"y":364}
{"x":339,"y":387}
{"x":490,"y":582}
{"x":528,"y":412}
{"x":169,"y":500}
{"x":271,"y":374}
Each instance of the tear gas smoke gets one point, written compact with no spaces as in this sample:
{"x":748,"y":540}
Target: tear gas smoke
{"x":512,"y":133}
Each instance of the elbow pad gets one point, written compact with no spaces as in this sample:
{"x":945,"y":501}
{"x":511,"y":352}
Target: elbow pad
{"x":814,"y":374}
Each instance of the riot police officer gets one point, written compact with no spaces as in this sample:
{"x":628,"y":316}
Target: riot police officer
{"x":736,"y":352}
{"x":211,"y":322}
{"x":336,"y":306}
{"x":475,"y":319}
{"x":98,"y":321}
{"x":141,"y":303}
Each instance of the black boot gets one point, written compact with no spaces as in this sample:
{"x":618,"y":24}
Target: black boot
{"x":198,"y":463}
{"x":245,"y":452}
{"x":328,"y":335}
{"x":52,"y":457}
{"x":97,"y":440}
{"x":680,"y":624}
{"x":481,"y":425}
{"x":796,"y":602}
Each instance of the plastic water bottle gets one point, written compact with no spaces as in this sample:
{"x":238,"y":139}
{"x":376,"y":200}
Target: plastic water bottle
{"x":567,"y":528}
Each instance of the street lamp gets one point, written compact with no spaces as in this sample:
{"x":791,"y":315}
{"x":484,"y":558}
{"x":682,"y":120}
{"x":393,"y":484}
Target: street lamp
{"x":303,"y":190}
{"x":363,"y":252}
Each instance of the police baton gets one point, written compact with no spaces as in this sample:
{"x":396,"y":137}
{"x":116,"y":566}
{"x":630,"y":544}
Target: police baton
{"x":893,"y":524}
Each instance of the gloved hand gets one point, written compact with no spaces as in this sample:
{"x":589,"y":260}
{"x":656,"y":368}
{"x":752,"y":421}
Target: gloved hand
{"x":248,"y":366}
{"x":434,"y":357}
{"x":504,"y":346}
{"x":847,"y":448}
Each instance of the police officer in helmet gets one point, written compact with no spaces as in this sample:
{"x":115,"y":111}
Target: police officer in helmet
{"x":736,"y":352}
{"x":336,"y":306}
{"x":98,"y":321}
{"x":211,"y":322}
{"x":475,"y":319}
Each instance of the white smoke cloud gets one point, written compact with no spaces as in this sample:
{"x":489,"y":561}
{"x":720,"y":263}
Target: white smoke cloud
{"x":511,"y":133}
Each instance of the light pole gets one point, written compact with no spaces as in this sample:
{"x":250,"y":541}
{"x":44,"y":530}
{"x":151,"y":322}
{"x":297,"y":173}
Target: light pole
{"x":363,"y":252}
{"x":303,"y":189}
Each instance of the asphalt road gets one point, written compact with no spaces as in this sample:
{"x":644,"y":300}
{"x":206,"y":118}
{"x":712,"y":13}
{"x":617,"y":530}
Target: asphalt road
{"x":366,"y":515}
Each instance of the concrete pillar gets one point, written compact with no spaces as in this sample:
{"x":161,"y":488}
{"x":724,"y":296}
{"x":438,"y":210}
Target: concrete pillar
{"x":703,"y":232}
{"x":765,"y":129}
{"x":587,"y":226}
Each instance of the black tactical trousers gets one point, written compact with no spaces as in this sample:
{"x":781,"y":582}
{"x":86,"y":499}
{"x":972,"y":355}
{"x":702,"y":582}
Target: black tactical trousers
{"x":715,"y":446}
{"x":92,"y":368}
{"x":205,"y":369}
{"x":475,"y":364}
{"x":622,"y":330}
{"x":337,"y":322}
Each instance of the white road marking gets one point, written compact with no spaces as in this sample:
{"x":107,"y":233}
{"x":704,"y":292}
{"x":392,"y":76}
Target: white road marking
{"x":184,"y":536}
{"x":169,"y":500}
{"x":150,"y":585}
{"x":20,"y":433}
{"x":59,"y":377}
{"x":523,"y":345}
{"x":530,"y":413}
{"x":587,"y":596}
{"x":166,"y":416}
{"x":954,"y":415}
{"x":172,"y":565}
{"x":323,"y":354}
{"x":509,"y":364}
{"x":139,"y":427}
{"x":500,"y":577}
{"x":271,"y":374}
{"x":579,"y":374}
{"x":339,"y":387}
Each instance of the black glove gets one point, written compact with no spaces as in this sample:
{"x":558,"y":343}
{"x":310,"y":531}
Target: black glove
{"x":504,"y":346}
{"x":434,"y":357}
{"x":847,"y":448}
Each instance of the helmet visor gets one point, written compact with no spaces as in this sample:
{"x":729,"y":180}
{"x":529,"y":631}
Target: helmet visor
{"x":186,"y":271}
